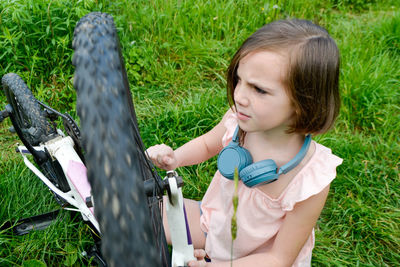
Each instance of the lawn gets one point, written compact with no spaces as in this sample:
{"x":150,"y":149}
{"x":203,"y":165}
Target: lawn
{"x":176,"y":54}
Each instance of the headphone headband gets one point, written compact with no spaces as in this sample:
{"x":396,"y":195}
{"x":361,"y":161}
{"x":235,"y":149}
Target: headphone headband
{"x":299,"y":156}
{"x":291,"y":164}
{"x":252,"y":174}
{"x":235,"y":137}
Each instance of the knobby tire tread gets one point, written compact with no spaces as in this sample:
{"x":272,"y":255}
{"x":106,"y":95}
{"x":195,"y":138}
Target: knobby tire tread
{"x":113,"y":159}
{"x":25,"y":105}
{"x":32,"y":126}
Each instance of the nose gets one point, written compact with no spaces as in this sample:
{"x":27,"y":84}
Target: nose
{"x":240,"y":95}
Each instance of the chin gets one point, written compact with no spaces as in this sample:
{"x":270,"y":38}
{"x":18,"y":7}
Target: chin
{"x":245,"y":127}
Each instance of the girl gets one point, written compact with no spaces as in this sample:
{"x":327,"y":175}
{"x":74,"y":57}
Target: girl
{"x":282,"y":87}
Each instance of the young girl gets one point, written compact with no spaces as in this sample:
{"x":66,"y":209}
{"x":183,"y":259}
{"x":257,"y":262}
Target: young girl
{"x":282,"y":87}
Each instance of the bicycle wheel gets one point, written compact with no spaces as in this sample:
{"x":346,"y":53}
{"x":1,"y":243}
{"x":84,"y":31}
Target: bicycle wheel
{"x":29,"y":120}
{"x":130,"y":222}
{"x":32,"y":127}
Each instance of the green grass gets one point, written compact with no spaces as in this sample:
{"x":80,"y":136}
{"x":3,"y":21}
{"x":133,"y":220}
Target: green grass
{"x":176,"y":54}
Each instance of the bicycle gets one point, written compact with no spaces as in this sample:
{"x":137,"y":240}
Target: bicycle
{"x":122,"y":196}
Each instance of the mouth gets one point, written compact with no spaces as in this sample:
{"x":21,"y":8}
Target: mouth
{"x":242,"y":116}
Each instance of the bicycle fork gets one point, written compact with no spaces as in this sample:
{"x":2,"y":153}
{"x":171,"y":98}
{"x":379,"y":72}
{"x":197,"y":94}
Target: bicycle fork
{"x":182,"y":246}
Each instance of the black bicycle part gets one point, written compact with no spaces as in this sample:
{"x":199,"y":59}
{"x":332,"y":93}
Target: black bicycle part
{"x":26,"y":116}
{"x":33,"y":128}
{"x":5,"y":113}
{"x":95,"y":251}
{"x":54,"y":172}
{"x":72,"y":129}
{"x":149,"y":185}
{"x":130,"y":222}
{"x":95,"y":256}
{"x":26,"y":225}
{"x":70,"y":126}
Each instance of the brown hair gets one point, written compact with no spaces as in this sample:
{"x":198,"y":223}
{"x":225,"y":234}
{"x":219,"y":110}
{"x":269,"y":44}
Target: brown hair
{"x":312,"y":79}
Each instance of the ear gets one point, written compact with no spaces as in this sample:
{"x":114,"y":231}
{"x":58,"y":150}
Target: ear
{"x":293,"y":120}
{"x":295,"y":113}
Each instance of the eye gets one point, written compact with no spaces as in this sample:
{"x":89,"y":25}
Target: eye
{"x":259,"y":90}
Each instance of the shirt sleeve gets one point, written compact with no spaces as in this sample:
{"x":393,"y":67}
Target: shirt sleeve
{"x":230,"y":125}
{"x":319,"y":173}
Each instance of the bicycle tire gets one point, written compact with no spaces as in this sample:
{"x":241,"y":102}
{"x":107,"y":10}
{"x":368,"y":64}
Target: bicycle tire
{"x":29,"y":118}
{"x":33,"y":128}
{"x":115,"y":160}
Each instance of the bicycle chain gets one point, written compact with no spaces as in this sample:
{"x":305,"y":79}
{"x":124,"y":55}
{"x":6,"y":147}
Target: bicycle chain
{"x":70,"y":126}
{"x":72,"y":129}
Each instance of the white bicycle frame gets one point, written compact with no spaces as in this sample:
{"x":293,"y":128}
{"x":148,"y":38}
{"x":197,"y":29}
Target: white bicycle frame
{"x":62,"y":149}
{"x":182,"y":247}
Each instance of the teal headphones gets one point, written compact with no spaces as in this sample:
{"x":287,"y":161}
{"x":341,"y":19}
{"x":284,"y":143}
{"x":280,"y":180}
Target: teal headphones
{"x":252,"y":174}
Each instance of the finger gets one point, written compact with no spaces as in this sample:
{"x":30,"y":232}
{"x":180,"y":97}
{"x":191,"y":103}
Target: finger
{"x":197,"y":263}
{"x":199,"y":253}
{"x":167,"y":160}
{"x":162,"y":163}
{"x":193,"y":264}
{"x":150,"y":153}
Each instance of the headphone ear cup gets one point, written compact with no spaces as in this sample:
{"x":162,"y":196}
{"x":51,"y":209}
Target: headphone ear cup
{"x":261,"y":172}
{"x":233,"y":156}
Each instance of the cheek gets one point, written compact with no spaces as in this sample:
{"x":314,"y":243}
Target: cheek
{"x":288,"y":104}
{"x":285,"y":108}
{"x":291,"y":113}
{"x":237,"y":95}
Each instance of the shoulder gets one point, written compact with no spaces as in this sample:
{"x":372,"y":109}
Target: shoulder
{"x":314,"y":178}
{"x":227,"y":126}
{"x":230,"y":114}
{"x":322,"y":162}
{"x":323,"y":158}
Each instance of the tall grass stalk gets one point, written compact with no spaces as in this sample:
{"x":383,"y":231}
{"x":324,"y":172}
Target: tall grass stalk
{"x":235,"y":203}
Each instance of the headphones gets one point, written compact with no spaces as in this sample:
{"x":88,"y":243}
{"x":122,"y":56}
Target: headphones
{"x":252,"y":174}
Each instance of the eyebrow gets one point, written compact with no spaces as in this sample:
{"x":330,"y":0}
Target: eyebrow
{"x":256,"y":85}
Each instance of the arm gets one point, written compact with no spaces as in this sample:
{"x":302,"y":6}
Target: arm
{"x":193,"y":152}
{"x":293,"y":234}
{"x":203,"y":147}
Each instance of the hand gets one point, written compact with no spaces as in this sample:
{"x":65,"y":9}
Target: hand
{"x":163,"y":157}
{"x":200,"y":262}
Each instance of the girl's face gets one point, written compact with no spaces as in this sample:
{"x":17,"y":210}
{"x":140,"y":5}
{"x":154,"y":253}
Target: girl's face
{"x":261,"y":101}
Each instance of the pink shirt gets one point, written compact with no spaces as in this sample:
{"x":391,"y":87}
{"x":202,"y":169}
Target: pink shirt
{"x":259,"y":216}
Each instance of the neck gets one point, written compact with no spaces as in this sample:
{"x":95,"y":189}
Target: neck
{"x":279,"y":139}
{"x":279,"y":147}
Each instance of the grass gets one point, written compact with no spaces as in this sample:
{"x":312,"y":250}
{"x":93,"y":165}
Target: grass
{"x":176,"y":54}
